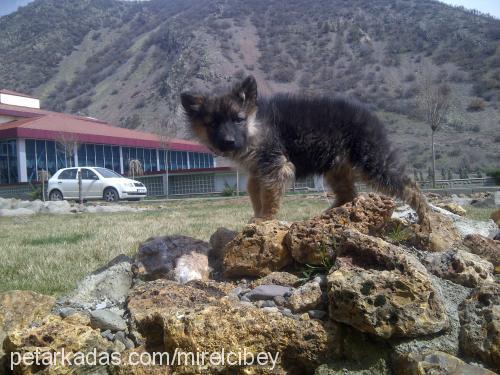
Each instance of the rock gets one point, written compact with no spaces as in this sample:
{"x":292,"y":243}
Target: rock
{"x":442,"y":234}
{"x":317,"y":314}
{"x":218,"y":240}
{"x":480,"y":325}
{"x":495,"y":216}
{"x":363,"y":355}
{"x":484,"y":247}
{"x":106,"y":319}
{"x":16,"y":212}
{"x":18,"y":309}
{"x":380,"y":289}
{"x":66,"y":311}
{"x":464,"y":226}
{"x":73,"y":334}
{"x":109,"y":283}
{"x":447,"y":341}
{"x":435,"y":362}
{"x":278,"y":278}
{"x":149,"y":301}
{"x":460,"y":267}
{"x":197,"y":317}
{"x":177,"y":258}
{"x":107,"y":334}
{"x":307,"y":297}
{"x":486,"y":202}
{"x":453,"y":207}
{"x":267,"y":292}
{"x":257,"y":251}
{"x":311,"y":241}
{"x":56,"y":207}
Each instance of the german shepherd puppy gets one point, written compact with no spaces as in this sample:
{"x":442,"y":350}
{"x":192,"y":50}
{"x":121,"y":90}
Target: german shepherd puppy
{"x":284,"y":137}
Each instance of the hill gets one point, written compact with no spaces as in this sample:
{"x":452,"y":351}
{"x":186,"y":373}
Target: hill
{"x":126,"y":62}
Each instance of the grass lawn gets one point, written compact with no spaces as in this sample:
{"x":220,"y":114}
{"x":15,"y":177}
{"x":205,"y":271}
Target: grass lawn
{"x":51,"y":253}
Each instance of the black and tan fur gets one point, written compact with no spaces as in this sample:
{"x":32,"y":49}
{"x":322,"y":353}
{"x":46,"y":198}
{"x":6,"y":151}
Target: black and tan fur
{"x":284,"y":137}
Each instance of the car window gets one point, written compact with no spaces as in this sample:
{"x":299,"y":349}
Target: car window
{"x":68,"y":174}
{"x":107,"y":173}
{"x":87,"y":174}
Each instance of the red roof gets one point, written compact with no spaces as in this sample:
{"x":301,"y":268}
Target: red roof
{"x":41,"y":124}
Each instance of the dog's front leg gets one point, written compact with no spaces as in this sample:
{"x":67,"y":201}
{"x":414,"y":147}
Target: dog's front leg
{"x":271,"y":198}
{"x":253,"y":188}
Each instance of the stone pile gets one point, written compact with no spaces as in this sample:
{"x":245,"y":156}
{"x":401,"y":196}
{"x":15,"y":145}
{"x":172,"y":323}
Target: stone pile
{"x":341,"y":293}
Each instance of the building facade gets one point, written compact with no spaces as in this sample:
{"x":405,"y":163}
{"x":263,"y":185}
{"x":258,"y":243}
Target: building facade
{"x":33,"y":140}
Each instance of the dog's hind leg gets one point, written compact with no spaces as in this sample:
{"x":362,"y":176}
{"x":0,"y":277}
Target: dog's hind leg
{"x":253,"y":189}
{"x":341,"y":181}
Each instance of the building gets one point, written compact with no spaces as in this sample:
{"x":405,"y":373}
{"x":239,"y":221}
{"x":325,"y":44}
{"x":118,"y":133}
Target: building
{"x":33,"y":140}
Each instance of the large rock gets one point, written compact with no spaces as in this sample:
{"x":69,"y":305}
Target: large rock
{"x":311,"y":241}
{"x":18,"y":309}
{"x":480,"y":325}
{"x":278,"y":278}
{"x":74,"y":334}
{"x":464,"y":226}
{"x":108,"y":285}
{"x":435,"y":362}
{"x":307,"y":297}
{"x":446,"y":341}
{"x":380,"y":289}
{"x":257,"y":251}
{"x":177,"y":258}
{"x":486,"y":248}
{"x":460,"y":267}
{"x":453,"y":207}
{"x":198,"y":317}
{"x":218,"y":240}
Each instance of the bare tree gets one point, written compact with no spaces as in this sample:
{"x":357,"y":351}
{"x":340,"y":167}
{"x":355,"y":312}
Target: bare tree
{"x":433,"y":102}
{"x":135,"y":167}
{"x":68,"y":144}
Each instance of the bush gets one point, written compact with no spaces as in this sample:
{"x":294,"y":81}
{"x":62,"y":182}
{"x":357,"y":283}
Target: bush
{"x":495,"y":173}
{"x":228,"y":190}
{"x":476,"y":105}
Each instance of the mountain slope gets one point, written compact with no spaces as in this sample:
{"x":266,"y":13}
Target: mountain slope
{"x":127,"y":62}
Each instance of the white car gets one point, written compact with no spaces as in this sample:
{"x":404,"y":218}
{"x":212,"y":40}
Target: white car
{"x":97,"y":183}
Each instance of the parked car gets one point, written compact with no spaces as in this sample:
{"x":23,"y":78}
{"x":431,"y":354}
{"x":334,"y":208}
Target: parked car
{"x":97,"y":183}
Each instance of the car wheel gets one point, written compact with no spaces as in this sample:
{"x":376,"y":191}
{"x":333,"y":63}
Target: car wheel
{"x":55,"y":195}
{"x":111,"y":195}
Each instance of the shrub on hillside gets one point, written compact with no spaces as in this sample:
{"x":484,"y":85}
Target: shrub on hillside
{"x":476,"y":105}
{"x":495,"y":173}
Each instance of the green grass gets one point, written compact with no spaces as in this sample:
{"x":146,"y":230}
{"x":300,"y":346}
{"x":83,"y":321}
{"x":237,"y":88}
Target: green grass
{"x":477,"y":213}
{"x":51,"y":253}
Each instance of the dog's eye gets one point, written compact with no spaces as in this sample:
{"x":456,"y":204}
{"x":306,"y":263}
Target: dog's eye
{"x":240,"y":117}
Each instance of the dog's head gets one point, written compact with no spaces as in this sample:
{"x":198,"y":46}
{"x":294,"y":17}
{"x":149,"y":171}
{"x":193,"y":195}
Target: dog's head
{"x":223,"y":122}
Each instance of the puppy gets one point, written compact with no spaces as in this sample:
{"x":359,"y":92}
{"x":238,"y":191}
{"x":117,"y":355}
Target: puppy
{"x":284,"y":137}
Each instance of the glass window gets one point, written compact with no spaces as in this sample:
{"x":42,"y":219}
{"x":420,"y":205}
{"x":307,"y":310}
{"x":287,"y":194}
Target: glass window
{"x":41,"y":157}
{"x":99,"y":155}
{"x":90,"y":155}
{"x":82,"y":156}
{"x":51,"y":157}
{"x":87,"y":174}
{"x":68,"y":174}
{"x":12,"y":150}
{"x":61,"y":156}
{"x":4,"y":163}
{"x":163,"y":161}
{"x":116,"y":159}
{"x":108,"y":157}
{"x":107,"y":173}
{"x":31,"y":159}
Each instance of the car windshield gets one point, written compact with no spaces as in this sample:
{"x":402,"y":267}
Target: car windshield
{"x":107,"y":173}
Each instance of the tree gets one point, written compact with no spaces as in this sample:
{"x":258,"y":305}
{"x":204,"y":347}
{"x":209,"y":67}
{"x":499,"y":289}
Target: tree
{"x":433,"y":102}
{"x":135,"y":167}
{"x":68,"y":144}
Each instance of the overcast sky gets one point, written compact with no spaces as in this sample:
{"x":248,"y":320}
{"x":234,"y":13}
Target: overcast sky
{"x":486,"y":6}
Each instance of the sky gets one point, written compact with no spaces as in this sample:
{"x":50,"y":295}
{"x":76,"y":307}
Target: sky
{"x":486,"y":6}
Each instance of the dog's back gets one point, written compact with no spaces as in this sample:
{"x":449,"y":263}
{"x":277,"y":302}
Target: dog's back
{"x":316,"y":133}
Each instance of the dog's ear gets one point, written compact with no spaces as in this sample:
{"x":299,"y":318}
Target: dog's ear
{"x":192,"y":103}
{"x":246,"y":91}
